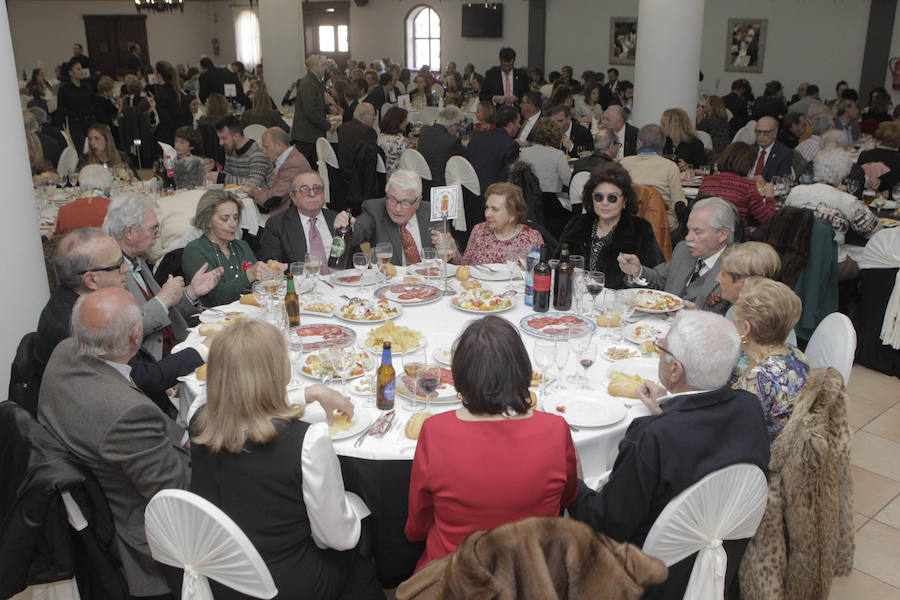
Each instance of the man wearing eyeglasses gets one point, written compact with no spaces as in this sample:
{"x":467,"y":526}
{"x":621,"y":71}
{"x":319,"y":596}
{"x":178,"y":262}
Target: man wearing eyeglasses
{"x":401,"y":219}
{"x":306,"y":228}
{"x":606,"y":147}
{"x":773,"y":159}
{"x":697,"y":425}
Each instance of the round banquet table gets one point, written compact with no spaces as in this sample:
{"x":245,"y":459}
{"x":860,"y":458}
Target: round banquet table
{"x":379,"y":468}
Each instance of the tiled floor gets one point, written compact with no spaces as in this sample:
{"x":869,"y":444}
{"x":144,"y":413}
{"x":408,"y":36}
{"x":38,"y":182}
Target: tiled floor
{"x":874,"y":407}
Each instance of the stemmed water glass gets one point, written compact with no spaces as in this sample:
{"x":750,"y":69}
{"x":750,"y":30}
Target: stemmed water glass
{"x":383,"y":252}
{"x":414,"y":362}
{"x":361,"y":264}
{"x":577,"y":262}
{"x":579,"y":343}
{"x":279,"y":291}
{"x":625,"y":306}
{"x":343,"y":363}
{"x":367,"y":360}
{"x":544,"y":354}
{"x":430,"y":259}
{"x":446,"y":249}
{"x":313,"y":267}
{"x":298,"y":270}
{"x":295,"y":352}
{"x":561,"y":358}
{"x":512,"y":259}
{"x":261,"y":294}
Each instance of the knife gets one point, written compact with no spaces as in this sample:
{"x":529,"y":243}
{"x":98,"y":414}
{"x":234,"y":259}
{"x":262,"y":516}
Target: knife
{"x":380,"y":420}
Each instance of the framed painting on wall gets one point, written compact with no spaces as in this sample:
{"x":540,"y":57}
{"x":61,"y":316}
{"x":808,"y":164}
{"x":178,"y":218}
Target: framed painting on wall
{"x":745,"y":46}
{"x":622,"y":40}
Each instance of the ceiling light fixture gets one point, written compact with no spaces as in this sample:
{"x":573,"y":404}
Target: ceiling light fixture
{"x":159,"y":5}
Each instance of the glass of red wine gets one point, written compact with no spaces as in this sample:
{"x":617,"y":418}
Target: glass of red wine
{"x":429,"y":380}
{"x":594,"y":281}
{"x":586,"y":357}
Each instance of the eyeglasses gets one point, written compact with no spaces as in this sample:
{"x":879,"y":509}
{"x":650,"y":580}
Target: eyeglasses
{"x":764,"y":131}
{"x":115,"y":267}
{"x":404,"y":203}
{"x":660,"y":350}
{"x":307,"y":190}
{"x":610,"y":198}
{"x":154,"y":229}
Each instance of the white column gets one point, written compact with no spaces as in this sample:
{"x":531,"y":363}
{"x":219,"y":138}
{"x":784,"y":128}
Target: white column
{"x":282,"y":44}
{"x":22,"y":264}
{"x":667,"y":64}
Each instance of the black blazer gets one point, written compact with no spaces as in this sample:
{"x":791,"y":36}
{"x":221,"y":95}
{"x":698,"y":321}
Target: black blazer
{"x":437,"y":145}
{"x":580,"y":136}
{"x":589,"y":163}
{"x":493,"y":83}
{"x":350,"y":134}
{"x":377,"y":98}
{"x":691,"y":152}
{"x":214,"y":80}
{"x":781,"y":158}
{"x":633,"y":235}
{"x":631,"y":135}
{"x":283,"y":238}
{"x":490,"y":152}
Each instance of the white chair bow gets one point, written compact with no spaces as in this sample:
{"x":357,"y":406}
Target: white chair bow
{"x":326,"y":158}
{"x":255,"y":132}
{"x":414,"y":161}
{"x":460,"y":171}
{"x":576,"y":187}
{"x":185,"y":530}
{"x":705,"y":138}
{"x":883,"y":252}
{"x":726,"y":504}
{"x":746,"y":134}
{"x":833,"y":344}
{"x":68,"y":162}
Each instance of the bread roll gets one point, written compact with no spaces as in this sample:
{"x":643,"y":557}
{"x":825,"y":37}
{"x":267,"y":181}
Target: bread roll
{"x":414,"y":425}
{"x":624,"y":388}
{"x":209,"y":328}
{"x":462,"y":273}
{"x":201,"y":372}
{"x":274,"y":265}
{"x":471,"y":284}
{"x":249,"y":299}
{"x":612,"y":321}
{"x":389,"y":269}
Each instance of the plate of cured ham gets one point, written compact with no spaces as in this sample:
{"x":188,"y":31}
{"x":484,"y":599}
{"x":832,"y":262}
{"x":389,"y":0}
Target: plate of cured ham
{"x":409,"y":294}
{"x":556,"y":325}
{"x":318,"y":336}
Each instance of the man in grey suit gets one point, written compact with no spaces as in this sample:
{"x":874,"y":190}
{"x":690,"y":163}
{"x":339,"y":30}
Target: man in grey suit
{"x":89,"y":403}
{"x":310,"y":122}
{"x":440,"y":141}
{"x":401,"y":219}
{"x":692,"y":271}
{"x":131,"y":221}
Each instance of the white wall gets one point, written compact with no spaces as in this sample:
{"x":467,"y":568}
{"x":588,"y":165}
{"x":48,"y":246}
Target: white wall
{"x":43,"y":31}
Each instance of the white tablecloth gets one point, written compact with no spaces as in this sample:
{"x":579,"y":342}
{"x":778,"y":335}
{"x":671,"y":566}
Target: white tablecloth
{"x":442,"y":324}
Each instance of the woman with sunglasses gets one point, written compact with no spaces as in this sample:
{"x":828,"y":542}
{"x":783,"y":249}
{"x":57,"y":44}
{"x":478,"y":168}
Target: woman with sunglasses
{"x":610,"y":226}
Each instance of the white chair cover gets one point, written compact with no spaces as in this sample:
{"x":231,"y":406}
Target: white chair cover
{"x":185,"y":530}
{"x":68,"y":162}
{"x":413,"y":160}
{"x":833,"y":344}
{"x":168,"y":151}
{"x":326,"y":157}
{"x":255,"y":132}
{"x":379,"y":165}
{"x":385,"y":107}
{"x":745,"y":134}
{"x":459,"y":170}
{"x":727,"y":504}
{"x":438,"y":89}
{"x":705,"y":138}
{"x":576,"y":186}
{"x":883,"y":252}
{"x":86,"y":146}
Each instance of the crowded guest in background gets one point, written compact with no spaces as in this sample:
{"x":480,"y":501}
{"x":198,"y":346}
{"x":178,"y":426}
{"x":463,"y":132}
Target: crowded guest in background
{"x":485,"y":114}
{"x":648,"y":167}
{"x":625,"y":95}
{"x":713,"y":119}
{"x":736,"y":101}
{"x":216,"y":108}
{"x":847,"y":113}
{"x":681,"y":140}
{"x":731,"y":184}
{"x":421,"y":94}
{"x":448,"y":499}
{"x":491,"y":152}
{"x":261,"y":110}
{"x":383,"y":93}
{"x":773,"y":159}
{"x":811,"y":146}
{"x":89,"y":404}
{"x":691,"y":273}
{"x":89,"y":209}
{"x":392,"y":138}
{"x":793,"y":127}
{"x":49,"y":138}
{"x":400,"y":219}
{"x":838,"y":92}
{"x":187,"y":141}
{"x":353,"y":133}
{"x":726,"y":427}
{"x":545,"y":157}
{"x":531,"y":112}
{"x":245,"y":162}
{"x":606,"y":146}
{"x":39,"y":81}
{"x":42,"y":171}
{"x":614,"y":118}
{"x":802,"y":104}
{"x":218,"y":217}
{"x":878,"y":111}
{"x":477,"y":84}
{"x":576,"y":138}
{"x":310,"y":122}
{"x":212,"y":80}
{"x":468,"y":74}
{"x":274,"y":196}
{"x":133,"y":61}
{"x":250,"y":450}
{"x":537,"y":77}
{"x":764,"y":314}
{"x":192,"y":81}
{"x":505,"y":84}
{"x":172,"y":104}
{"x":503,"y":231}
{"x":771,"y":103}
{"x":175,"y":211}
{"x":887,"y":142}
{"x":609,"y":227}
{"x":75,"y":105}
{"x":843,"y":211}
{"x":856,"y":181}
{"x":80,"y":57}
{"x":104,"y":106}
{"x":562,"y":95}
{"x":612,"y":79}
{"x":438,"y":142}
{"x":102,"y":151}
{"x":592,"y":105}
{"x":453,"y":84}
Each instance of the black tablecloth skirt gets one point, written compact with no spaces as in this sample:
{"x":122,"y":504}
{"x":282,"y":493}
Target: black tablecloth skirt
{"x":877,"y":285}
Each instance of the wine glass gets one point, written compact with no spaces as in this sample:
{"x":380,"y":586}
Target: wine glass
{"x":295,"y":352}
{"x":343,"y":362}
{"x":261,"y":294}
{"x":446,"y":249}
{"x":579,"y":343}
{"x":279,"y":291}
{"x":360,"y":263}
{"x":413,"y":364}
{"x":577,"y":262}
{"x":544,"y":353}
{"x":313,"y":267}
{"x":430,"y":260}
{"x":429,"y":380}
{"x":298,"y":270}
{"x":561,"y":358}
{"x":625,"y":306}
{"x":369,"y":363}
{"x":326,"y":362}
{"x":586,"y":357}
{"x":594,"y":281}
{"x":383,"y":251}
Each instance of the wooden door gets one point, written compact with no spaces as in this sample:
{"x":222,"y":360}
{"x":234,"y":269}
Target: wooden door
{"x":108,"y":38}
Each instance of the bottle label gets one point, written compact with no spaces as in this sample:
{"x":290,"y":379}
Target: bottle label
{"x":542,"y":283}
{"x":529,"y":295}
{"x":388,"y":393}
{"x":338,"y":247}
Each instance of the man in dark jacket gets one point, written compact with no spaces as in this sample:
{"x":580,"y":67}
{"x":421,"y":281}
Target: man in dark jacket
{"x":606,"y":145}
{"x":310,"y":122}
{"x":576,"y":137}
{"x":352,"y":133}
{"x":505,"y":84}
{"x":490,"y":152}
{"x":440,"y":141}
{"x":213,"y":80}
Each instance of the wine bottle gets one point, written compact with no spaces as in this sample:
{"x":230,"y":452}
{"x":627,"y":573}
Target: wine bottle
{"x":385,"y":377}
{"x":340,"y":245}
{"x":562,"y":287}
{"x":541,"y":278}
{"x":292,"y":302}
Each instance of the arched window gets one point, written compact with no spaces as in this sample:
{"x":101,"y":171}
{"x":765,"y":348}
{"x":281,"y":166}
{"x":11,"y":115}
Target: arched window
{"x":423,"y":38}
{"x":246,"y":30}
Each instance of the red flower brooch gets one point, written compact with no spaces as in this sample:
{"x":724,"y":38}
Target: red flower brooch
{"x":246,"y":264}
{"x":713,"y":298}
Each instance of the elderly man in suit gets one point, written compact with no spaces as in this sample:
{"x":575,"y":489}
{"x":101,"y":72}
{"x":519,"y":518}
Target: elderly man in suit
{"x":627,"y":135}
{"x":440,"y":141}
{"x":89,"y":403}
{"x":726,"y":427}
{"x":505,"y":84}
{"x":492,"y":151}
{"x":773,"y":158}
{"x":401,"y":219}
{"x":307,"y":227}
{"x":691,"y":273}
{"x":288,"y":163}
{"x":310,"y":122}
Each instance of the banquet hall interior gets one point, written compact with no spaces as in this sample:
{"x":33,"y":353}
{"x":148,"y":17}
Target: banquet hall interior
{"x":418,"y":95}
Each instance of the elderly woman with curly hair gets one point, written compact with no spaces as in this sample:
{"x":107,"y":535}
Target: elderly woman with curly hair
{"x":681,"y":139}
{"x":610,"y":226}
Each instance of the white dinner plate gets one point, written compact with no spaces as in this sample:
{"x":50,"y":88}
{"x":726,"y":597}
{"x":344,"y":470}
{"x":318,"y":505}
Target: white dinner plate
{"x":646,"y":329}
{"x":310,"y":359}
{"x":588,"y":411}
{"x":645,"y":368}
{"x":214,"y":315}
{"x":443,"y":354}
{"x":387,"y":317}
{"x":637,"y":295}
{"x":631,"y":350}
{"x":362,"y":418}
{"x":446,"y":393}
{"x":350,"y":278}
{"x":492,"y":272}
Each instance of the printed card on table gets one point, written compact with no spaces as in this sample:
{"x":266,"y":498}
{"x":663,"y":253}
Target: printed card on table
{"x":403,"y":101}
{"x":230,"y":90}
{"x":444,"y":201}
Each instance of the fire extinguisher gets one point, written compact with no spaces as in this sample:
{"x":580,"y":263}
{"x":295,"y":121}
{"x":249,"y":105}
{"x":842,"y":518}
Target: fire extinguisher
{"x":215,"y":46}
{"x":894,"y":65}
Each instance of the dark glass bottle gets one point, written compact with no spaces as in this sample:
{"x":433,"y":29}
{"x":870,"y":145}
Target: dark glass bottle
{"x":292,"y":302}
{"x":562,"y":286}
{"x":340,"y":247}
{"x":385,"y":377}
{"x":542,"y":276}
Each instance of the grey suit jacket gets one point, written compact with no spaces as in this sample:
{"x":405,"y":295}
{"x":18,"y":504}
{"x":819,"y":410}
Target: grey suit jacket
{"x":374,"y":225}
{"x":132,"y":448}
{"x":310,"y":122}
{"x":284,"y":239}
{"x":673,"y":276}
{"x":156,"y":317}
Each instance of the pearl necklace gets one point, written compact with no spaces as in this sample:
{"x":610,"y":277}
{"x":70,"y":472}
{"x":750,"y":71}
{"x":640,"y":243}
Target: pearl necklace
{"x":515,"y":232}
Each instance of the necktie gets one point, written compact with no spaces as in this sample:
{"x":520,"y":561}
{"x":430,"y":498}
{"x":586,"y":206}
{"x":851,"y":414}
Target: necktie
{"x":760,"y":164}
{"x":315,"y":244}
{"x":410,"y":251}
{"x":168,"y":336}
{"x":507,"y":88}
{"x":696,"y":274}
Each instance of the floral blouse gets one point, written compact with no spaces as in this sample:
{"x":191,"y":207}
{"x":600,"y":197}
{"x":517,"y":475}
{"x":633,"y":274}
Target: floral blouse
{"x":393,"y":146}
{"x":486,"y":248}
{"x":776,"y":381}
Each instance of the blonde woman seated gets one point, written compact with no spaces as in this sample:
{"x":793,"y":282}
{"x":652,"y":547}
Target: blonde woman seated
{"x":764,"y":314}
{"x":102,"y":151}
{"x":275,"y":475}
{"x":502,"y":232}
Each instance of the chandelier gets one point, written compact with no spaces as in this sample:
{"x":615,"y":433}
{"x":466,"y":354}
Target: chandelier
{"x":159,"y":5}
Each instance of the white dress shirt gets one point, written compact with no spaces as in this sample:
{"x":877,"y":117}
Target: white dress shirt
{"x":528,"y":126}
{"x":283,"y":157}
{"x":710,"y":262}
{"x":621,"y":137}
{"x":321,"y":227}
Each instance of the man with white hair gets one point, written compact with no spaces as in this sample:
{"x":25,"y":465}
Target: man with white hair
{"x":89,"y":403}
{"x":614,"y":118}
{"x":691,"y":273}
{"x":649,"y":167}
{"x":89,"y":209}
{"x":131,"y":221}
{"x":811,"y":146}
{"x":440,"y":141}
{"x":401,"y":219}
{"x":352,"y":133}
{"x":606,"y":147}
{"x":698,"y":425}
{"x":310,"y":122}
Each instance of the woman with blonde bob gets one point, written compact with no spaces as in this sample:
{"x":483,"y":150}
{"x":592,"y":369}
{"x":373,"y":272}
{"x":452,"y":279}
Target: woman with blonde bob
{"x":278,"y":477}
{"x":763,"y":315}
{"x":681,"y":139}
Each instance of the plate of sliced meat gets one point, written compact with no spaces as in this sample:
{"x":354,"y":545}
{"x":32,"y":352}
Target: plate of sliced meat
{"x":409,"y":294}
{"x":446,"y":393}
{"x":556,"y":325}
{"x":318,"y":336}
